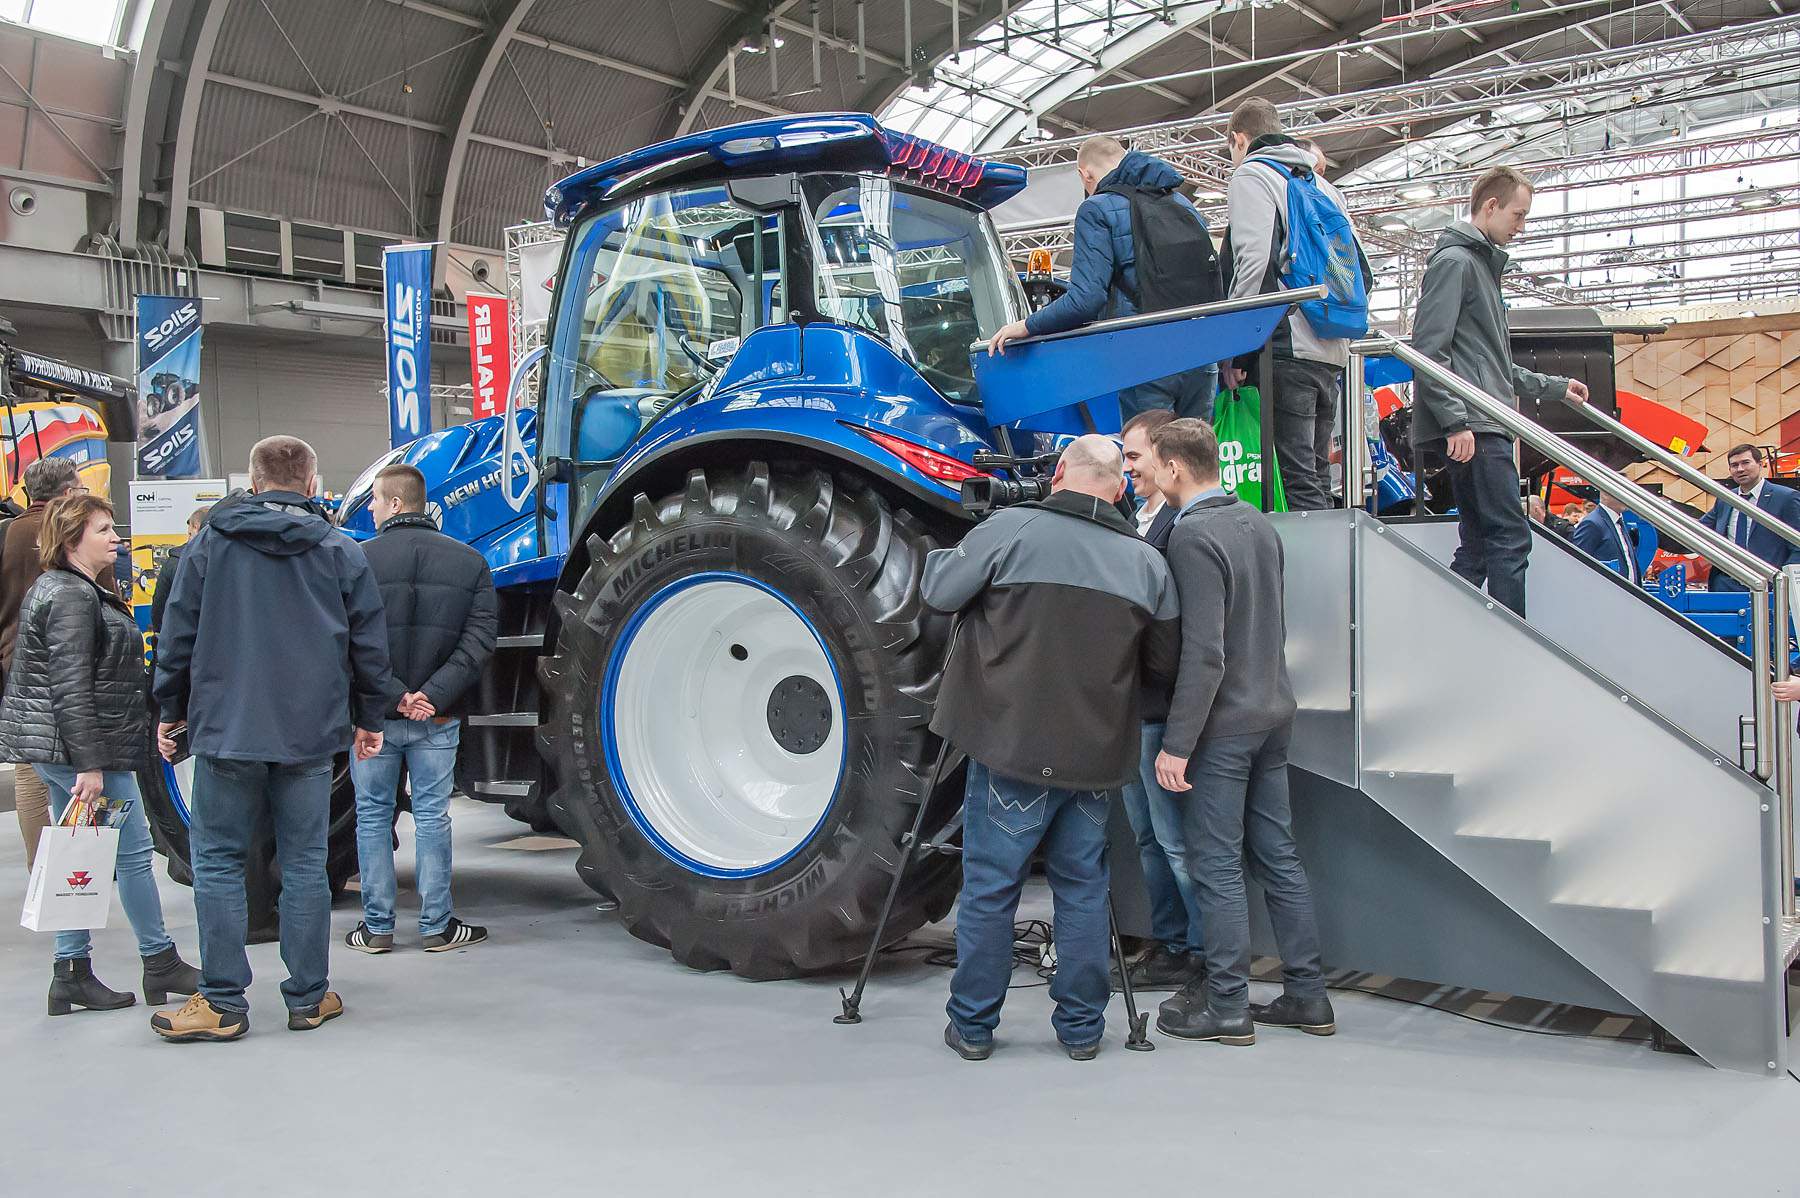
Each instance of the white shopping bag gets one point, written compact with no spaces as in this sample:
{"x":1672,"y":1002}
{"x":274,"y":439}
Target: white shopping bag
{"x":72,"y":879}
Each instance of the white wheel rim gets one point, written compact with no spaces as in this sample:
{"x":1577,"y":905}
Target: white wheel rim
{"x":725,"y":724}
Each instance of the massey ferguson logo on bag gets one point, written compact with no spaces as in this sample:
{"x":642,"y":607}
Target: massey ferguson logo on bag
{"x":80,"y":879}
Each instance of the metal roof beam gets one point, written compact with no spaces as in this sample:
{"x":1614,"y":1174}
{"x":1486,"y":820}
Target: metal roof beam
{"x":473,"y":97}
{"x":181,"y":181}
{"x":1114,"y":55}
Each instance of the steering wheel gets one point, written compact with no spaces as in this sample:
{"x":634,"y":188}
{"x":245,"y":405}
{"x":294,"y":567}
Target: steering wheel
{"x":701,"y":362}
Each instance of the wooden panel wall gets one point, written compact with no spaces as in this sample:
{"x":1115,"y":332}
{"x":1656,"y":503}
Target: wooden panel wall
{"x":1741,"y":378}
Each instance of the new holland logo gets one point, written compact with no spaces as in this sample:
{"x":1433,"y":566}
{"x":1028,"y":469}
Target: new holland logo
{"x":80,"y":879}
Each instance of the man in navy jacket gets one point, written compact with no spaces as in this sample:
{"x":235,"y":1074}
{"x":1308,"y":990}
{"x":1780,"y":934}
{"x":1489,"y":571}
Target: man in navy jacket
{"x":274,"y":655}
{"x":1103,"y":277}
{"x":1781,"y":502}
{"x":1604,"y":536}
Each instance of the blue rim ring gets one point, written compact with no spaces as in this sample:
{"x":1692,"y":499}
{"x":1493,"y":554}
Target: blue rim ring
{"x":609,"y":693}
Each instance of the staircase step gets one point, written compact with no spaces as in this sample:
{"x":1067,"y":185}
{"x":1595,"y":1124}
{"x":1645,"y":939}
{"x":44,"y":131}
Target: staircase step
{"x":504,"y":719}
{"x":1790,"y":940}
{"x":504,"y":789}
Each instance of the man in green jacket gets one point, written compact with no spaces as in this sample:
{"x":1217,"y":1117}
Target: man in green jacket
{"x":1461,"y":323}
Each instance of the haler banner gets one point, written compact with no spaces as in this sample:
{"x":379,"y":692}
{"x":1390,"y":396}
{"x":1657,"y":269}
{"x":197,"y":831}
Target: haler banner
{"x":490,"y":352}
{"x":168,"y":379}
{"x":406,"y":283}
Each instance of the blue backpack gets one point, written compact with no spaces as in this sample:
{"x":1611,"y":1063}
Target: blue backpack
{"x":1321,"y":248}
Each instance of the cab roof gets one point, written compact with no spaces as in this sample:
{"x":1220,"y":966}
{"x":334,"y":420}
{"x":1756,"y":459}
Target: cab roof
{"x":850,"y":142}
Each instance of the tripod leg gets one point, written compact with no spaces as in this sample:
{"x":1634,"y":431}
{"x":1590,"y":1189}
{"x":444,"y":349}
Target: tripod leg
{"x":852,"y":1012}
{"x":1137,"y":1038}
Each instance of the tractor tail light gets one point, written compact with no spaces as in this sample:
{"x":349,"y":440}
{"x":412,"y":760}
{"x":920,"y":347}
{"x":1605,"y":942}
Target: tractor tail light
{"x":930,"y":463}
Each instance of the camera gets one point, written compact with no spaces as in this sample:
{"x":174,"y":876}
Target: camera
{"x":983,"y":495}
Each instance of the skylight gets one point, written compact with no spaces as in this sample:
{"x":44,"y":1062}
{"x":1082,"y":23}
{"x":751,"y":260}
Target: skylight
{"x":85,"y":20}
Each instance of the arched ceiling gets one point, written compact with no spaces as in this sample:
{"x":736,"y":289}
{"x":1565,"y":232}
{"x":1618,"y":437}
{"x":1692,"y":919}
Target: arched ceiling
{"x":445,"y":119}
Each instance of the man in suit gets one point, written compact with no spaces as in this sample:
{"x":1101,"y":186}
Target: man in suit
{"x":1604,"y":536}
{"x":1155,"y":814}
{"x":1781,"y":502}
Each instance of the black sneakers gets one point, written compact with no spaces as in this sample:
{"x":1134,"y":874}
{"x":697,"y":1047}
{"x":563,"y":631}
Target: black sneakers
{"x":1084,"y":1052}
{"x":365,"y":941}
{"x":456,"y":934}
{"x":1311,"y":1015}
{"x":963,"y":1048}
{"x":1162,"y":968}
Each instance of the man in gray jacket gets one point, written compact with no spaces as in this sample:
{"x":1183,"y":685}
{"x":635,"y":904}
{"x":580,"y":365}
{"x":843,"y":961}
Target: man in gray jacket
{"x":1225,"y":748}
{"x":1461,"y":323}
{"x":1064,"y":612}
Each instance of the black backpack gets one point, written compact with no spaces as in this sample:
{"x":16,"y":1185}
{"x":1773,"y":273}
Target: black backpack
{"x":1177,"y":265}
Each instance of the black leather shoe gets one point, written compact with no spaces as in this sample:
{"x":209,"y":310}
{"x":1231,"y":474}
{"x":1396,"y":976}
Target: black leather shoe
{"x":1311,"y":1015}
{"x":963,"y":1048}
{"x":1085,"y":1052}
{"x":1204,"y":1023}
{"x":1190,"y":997}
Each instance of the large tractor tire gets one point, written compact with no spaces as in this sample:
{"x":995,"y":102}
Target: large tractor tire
{"x":737,"y":711}
{"x":166,"y":790}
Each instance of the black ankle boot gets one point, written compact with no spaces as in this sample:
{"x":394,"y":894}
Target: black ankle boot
{"x":73,"y":984}
{"x":165,"y":974}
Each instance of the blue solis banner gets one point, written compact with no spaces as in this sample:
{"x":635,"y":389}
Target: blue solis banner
{"x":406,"y":283}
{"x":168,"y":381}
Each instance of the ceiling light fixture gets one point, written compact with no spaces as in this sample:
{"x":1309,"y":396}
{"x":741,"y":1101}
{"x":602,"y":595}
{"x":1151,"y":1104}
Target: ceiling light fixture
{"x":1419,"y":191}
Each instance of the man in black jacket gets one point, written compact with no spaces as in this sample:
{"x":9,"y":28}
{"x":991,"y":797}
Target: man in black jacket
{"x":1155,"y":814}
{"x":272,"y":653}
{"x":1225,"y":750}
{"x":439,"y":599}
{"x":1065,"y":611}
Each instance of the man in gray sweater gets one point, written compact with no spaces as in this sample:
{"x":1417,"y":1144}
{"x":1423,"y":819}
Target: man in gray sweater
{"x":1225,"y":747}
{"x":1461,"y":323}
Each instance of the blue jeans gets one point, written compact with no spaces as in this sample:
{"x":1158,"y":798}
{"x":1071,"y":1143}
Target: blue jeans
{"x":136,"y":879}
{"x":1156,"y":818}
{"x":1188,"y":394}
{"x":429,"y":752}
{"x":1004,"y":822}
{"x":230,"y":798}
{"x":1238,"y":811}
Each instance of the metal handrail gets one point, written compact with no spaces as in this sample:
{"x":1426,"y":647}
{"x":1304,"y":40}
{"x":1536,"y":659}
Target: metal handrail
{"x":1767,"y":585}
{"x":1679,"y":466}
{"x":1754,"y":573}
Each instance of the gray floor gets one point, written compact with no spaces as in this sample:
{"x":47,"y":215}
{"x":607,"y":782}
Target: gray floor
{"x":566,"y":1057}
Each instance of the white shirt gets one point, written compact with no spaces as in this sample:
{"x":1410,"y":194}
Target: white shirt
{"x":1755,"y":496}
{"x":1146,"y":515}
{"x":1631,"y":566}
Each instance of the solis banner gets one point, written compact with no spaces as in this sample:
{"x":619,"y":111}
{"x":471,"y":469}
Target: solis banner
{"x":406,"y":282}
{"x":168,"y":380}
{"x":490,"y":352}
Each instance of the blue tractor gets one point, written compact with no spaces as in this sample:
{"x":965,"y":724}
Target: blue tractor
{"x":759,"y":411}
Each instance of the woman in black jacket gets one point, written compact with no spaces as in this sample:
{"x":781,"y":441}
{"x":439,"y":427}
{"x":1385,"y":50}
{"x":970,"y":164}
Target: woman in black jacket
{"x":74,"y":708}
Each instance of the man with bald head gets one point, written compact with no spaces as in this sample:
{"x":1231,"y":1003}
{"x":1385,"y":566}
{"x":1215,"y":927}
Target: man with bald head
{"x":1063,"y":610}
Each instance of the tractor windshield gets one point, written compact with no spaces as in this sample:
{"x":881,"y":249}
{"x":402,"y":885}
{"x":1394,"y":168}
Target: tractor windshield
{"x":925,"y":274}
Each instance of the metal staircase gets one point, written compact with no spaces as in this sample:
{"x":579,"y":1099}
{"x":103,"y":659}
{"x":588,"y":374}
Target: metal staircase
{"x":1584,"y":769}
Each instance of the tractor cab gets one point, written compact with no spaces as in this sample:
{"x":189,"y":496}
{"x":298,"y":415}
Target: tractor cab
{"x":692,"y":267}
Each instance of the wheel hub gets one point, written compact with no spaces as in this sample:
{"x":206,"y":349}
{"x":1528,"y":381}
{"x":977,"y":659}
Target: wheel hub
{"x":799,"y":714}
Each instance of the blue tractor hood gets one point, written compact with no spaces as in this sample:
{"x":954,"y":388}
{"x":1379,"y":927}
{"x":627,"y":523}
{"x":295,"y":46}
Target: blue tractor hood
{"x":845,"y":141}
